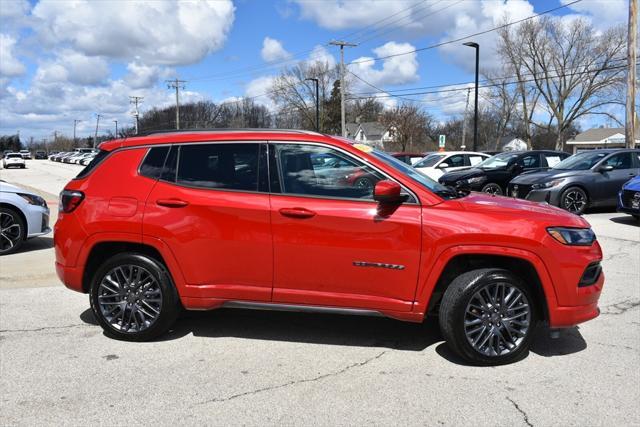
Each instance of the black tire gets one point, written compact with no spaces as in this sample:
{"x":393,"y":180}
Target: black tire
{"x":454,"y":311}
{"x":574,"y":200}
{"x":169,"y":308}
{"x":9,"y":219}
{"x":492,"y":188}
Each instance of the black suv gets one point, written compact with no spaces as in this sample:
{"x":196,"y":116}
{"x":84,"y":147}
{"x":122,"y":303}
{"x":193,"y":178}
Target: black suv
{"x":493,"y":175}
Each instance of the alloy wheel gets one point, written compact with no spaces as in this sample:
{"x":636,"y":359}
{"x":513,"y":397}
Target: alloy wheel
{"x":574,"y":201}
{"x":10,"y":232}
{"x":364,"y":183}
{"x":493,"y":189}
{"x":130,"y":298}
{"x":497,"y":319}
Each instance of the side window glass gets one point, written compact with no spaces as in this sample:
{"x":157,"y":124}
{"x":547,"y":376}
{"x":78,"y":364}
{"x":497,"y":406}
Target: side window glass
{"x":319,"y":171}
{"x":455,"y":161}
{"x":169,"y":170}
{"x":474,"y":160}
{"x":531,"y":161}
{"x":220,"y":166}
{"x":153,"y":162}
{"x":619,"y":161}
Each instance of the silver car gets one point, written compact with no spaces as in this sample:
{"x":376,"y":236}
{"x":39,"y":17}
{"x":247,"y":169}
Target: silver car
{"x":23,"y":215}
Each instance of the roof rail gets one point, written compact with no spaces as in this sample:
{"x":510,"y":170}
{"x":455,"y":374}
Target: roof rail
{"x":226,"y":130}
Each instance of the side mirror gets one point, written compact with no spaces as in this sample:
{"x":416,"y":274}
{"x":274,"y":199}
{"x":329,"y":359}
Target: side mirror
{"x":387,"y":191}
{"x":443,"y":165}
{"x":605,"y":168}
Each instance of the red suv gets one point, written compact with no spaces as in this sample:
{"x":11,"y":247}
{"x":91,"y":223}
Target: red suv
{"x":209,"y":219}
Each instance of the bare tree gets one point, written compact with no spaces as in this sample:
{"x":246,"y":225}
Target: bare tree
{"x":503,"y":101}
{"x":575,"y":69}
{"x":408,"y":125}
{"x":292,"y":93}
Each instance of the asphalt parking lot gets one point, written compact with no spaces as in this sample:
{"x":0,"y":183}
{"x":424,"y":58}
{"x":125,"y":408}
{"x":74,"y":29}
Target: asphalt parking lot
{"x":264,"y":368}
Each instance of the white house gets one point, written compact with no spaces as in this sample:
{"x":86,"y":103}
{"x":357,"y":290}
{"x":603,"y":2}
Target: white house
{"x":512,"y":143}
{"x":599,"y":138}
{"x":370,"y":133}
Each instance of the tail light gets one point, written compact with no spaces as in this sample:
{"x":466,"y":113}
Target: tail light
{"x":70,"y":200}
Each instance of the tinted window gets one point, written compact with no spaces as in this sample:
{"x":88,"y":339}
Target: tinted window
{"x":429,"y":161}
{"x":530,"y":161}
{"x":169,"y":171}
{"x":223,"y":166}
{"x":619,"y":161}
{"x":92,"y":164}
{"x":154,"y":160}
{"x":455,"y":161}
{"x":319,"y":171}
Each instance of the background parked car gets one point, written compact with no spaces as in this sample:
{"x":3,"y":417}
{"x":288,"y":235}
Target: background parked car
{"x":13,"y":160}
{"x":40,"y":155}
{"x":409,"y":158}
{"x":493,"y":175}
{"x":23,"y":215}
{"x":26,"y":154}
{"x":437,"y":164}
{"x":587,"y":179}
{"x":86,"y":160}
{"x":629,"y":198}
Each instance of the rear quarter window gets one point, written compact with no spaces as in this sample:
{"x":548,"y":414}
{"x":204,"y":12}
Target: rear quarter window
{"x":153,"y":162}
{"x":102,"y":154}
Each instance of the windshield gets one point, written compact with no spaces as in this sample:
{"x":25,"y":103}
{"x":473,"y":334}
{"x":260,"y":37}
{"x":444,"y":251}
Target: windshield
{"x":429,"y":161}
{"x":498,"y":161}
{"x":439,"y":189}
{"x":580,"y":161}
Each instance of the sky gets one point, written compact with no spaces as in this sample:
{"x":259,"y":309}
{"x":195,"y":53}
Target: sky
{"x":62,"y":60}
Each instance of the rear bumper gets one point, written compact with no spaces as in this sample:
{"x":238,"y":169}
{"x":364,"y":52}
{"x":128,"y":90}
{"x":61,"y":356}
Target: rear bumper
{"x":70,"y":276}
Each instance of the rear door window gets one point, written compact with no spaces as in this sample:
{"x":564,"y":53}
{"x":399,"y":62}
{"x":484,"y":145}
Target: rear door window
{"x":153,"y":162}
{"x":219,"y":166}
{"x":619,"y":161}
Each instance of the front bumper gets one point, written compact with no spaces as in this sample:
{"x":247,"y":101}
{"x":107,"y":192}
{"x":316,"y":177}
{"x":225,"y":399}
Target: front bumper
{"x":547,"y":195}
{"x":625,"y":206}
{"x":566,"y":317}
{"x":37,"y":221}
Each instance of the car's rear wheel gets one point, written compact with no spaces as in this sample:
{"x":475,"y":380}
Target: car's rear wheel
{"x":575,"y":200}
{"x":133,"y":297}
{"x":487,"y":317}
{"x":492,"y":188}
{"x":12,"y":231}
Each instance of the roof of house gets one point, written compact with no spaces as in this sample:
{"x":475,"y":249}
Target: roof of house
{"x":596,"y":134}
{"x":507,"y":139}
{"x":373,"y":130}
{"x":352,"y":128}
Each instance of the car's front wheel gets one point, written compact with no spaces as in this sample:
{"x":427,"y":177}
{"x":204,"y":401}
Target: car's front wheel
{"x":492,"y":188}
{"x":12,"y":231}
{"x":575,"y":200}
{"x":133,"y":297}
{"x":487,"y":317}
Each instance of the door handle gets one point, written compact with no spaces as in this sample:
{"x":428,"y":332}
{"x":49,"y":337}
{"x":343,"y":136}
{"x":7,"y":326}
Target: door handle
{"x":297,"y":212}
{"x":172,"y":203}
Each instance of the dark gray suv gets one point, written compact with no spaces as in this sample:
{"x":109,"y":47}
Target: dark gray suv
{"x":587,"y":179}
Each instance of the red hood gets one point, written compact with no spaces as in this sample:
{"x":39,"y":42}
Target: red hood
{"x":542,"y":212}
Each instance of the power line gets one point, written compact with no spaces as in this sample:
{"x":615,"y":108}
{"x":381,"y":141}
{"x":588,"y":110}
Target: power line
{"x":380,"y":58}
{"x":177,"y":85}
{"x":135,"y":100}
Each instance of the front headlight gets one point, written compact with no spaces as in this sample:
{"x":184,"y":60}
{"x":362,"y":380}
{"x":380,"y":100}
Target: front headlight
{"x":573,"y":236}
{"x":32,"y":199}
{"x":477,"y":180}
{"x":549,"y":184}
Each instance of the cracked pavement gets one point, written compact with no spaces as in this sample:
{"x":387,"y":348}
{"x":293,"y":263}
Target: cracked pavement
{"x":237,"y":367}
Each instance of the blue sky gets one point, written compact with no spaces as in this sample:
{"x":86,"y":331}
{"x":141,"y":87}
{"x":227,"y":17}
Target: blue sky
{"x":64,"y":60}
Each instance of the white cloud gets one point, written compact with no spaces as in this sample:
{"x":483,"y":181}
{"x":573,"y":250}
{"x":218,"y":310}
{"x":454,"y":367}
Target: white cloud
{"x":273,"y":51}
{"x":164,"y":32}
{"x":259,"y":87}
{"x":606,"y":12}
{"x":10,"y":66}
{"x":14,"y":14}
{"x":396,"y":70}
{"x":75,"y":68}
{"x":321,"y":54}
{"x":144,"y":76}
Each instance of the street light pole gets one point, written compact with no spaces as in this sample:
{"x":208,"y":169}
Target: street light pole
{"x":476,"y":46}
{"x":317,"y":103}
{"x":75,"y":122}
{"x":116,"y":122}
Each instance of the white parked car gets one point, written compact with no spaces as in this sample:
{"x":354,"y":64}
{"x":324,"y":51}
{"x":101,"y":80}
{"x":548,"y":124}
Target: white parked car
{"x":437,"y":164}
{"x":13,"y":160}
{"x":23,"y":215}
{"x":26,"y":154}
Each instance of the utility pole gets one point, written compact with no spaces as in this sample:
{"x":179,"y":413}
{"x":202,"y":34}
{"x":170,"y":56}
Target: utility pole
{"x":75,"y":122}
{"x":464,"y":121}
{"x":476,"y":46}
{"x":135,"y":100}
{"x":317,"y":104}
{"x":177,"y":85}
{"x":632,"y":56}
{"x":95,"y":139}
{"x":342,"y":44}
{"x":116,"y":122}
